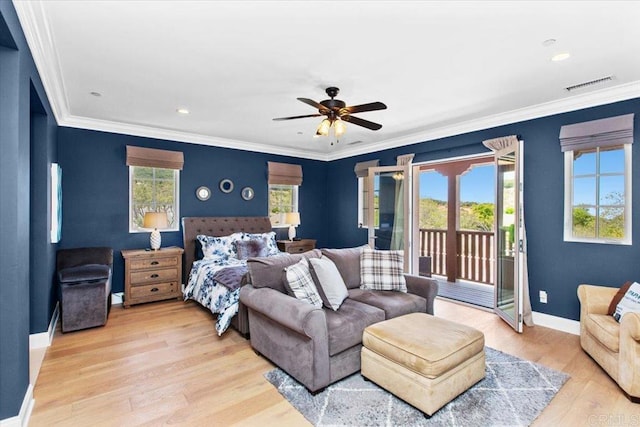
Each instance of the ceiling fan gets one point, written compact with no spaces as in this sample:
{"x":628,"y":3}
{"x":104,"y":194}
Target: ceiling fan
{"x":337,"y":113}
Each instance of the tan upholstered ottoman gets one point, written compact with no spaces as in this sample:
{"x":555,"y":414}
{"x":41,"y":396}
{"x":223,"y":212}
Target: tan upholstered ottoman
{"x":424,"y":360}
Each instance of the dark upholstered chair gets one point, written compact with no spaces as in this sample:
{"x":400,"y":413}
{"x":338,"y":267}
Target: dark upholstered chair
{"x":84,"y":286}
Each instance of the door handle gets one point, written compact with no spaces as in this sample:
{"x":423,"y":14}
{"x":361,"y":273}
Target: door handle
{"x":155,"y":262}
{"x":153,"y":276}
{"x":154,"y":289}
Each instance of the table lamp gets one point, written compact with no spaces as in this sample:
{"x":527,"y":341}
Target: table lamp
{"x":155,"y":220}
{"x":293,"y":219}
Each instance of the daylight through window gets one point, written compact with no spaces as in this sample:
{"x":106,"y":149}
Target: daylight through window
{"x":153,"y":190}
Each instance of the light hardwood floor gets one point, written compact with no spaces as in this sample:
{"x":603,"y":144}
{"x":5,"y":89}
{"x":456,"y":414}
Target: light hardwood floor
{"x":162,"y":363}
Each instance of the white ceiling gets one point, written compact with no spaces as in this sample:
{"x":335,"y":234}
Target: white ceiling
{"x":442,"y":68}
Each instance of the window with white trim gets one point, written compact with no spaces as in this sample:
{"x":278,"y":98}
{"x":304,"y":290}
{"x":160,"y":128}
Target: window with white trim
{"x":598,"y":195}
{"x":153,"y":190}
{"x":283,"y":198}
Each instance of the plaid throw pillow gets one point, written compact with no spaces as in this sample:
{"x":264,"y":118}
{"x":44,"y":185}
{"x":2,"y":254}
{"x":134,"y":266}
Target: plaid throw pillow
{"x":301,"y":283}
{"x":382,"y":270}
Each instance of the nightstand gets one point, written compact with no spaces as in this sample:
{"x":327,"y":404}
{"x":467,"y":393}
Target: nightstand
{"x":296,"y":246}
{"x":152,"y":275}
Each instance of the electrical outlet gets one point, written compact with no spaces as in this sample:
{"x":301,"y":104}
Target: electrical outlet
{"x":543,"y":297}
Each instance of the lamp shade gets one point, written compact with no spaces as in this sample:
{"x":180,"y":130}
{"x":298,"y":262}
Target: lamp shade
{"x":155,"y":220}
{"x":292,"y":218}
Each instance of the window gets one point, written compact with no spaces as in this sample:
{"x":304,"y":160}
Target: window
{"x":153,"y":190}
{"x":283,"y":198}
{"x":598,"y":195}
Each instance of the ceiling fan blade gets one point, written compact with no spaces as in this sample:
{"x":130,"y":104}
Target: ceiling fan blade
{"x":298,"y":117}
{"x":361,"y":122}
{"x":313,"y":103}
{"x":372,"y":106}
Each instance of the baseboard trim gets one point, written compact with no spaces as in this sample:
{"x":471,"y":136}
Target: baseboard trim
{"x":44,"y":339}
{"x":22,"y":419}
{"x":116,"y":298}
{"x":557,"y":323}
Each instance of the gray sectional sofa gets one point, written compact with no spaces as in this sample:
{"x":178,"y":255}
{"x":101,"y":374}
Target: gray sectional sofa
{"x":318,"y":346}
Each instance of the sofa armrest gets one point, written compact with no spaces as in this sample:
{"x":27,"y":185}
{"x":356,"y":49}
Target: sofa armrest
{"x":425,"y":287}
{"x":628,"y":367}
{"x":286,"y":310}
{"x":595,"y":299}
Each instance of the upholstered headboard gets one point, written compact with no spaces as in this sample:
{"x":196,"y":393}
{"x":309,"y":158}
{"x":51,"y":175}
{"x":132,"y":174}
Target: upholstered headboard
{"x":216,"y":226}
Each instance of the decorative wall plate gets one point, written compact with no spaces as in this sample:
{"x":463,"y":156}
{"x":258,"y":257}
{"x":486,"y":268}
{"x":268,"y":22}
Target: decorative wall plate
{"x":226,"y":185}
{"x":247,"y":193}
{"x":203,"y":193}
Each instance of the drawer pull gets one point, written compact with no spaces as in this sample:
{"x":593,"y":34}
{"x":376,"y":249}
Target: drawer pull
{"x":155,"y":262}
{"x":153,"y":276}
{"x":154,"y":289}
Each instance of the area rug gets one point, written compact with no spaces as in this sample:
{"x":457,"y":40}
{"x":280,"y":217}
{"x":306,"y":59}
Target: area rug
{"x":513,"y":393}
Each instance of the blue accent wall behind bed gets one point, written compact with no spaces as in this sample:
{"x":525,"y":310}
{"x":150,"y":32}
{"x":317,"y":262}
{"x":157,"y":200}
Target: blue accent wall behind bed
{"x":96,"y":190}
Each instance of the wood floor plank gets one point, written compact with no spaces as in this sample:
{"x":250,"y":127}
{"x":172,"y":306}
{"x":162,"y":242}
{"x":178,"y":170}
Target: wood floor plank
{"x":162,"y":363}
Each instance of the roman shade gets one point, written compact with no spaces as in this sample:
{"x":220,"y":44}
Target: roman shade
{"x":362,"y":169}
{"x":154,"y":158}
{"x":497,"y":144}
{"x":284,"y":173}
{"x":597,"y":133}
{"x":404,"y":159}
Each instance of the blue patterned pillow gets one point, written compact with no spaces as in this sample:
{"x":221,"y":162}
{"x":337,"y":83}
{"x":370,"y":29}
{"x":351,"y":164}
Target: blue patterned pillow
{"x":216,"y":247}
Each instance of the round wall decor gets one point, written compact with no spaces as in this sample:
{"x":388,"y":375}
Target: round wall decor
{"x":226,"y":185}
{"x":247,"y":193}
{"x":203,"y":193}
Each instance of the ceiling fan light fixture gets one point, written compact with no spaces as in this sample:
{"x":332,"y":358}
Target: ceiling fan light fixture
{"x":323,"y":128}
{"x":339,"y":127}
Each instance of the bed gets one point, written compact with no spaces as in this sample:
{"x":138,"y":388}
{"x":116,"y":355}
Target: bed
{"x":217,"y":298}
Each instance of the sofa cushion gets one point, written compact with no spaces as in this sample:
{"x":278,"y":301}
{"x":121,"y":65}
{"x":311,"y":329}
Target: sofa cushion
{"x":393,"y":303}
{"x":382,"y":270}
{"x":347,"y":261}
{"x":328,"y":281}
{"x":268,"y":271}
{"x":300,"y":283}
{"x":604,"y":329}
{"x":346,"y":325}
{"x":83,"y":273}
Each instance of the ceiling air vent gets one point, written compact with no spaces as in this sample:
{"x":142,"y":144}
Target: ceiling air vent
{"x":590,"y":83}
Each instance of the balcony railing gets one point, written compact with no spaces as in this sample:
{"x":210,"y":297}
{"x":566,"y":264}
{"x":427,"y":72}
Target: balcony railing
{"x":475,"y":257}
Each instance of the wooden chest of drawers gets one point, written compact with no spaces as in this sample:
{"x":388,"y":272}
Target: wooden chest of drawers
{"x":152,"y":275}
{"x":296,"y":246}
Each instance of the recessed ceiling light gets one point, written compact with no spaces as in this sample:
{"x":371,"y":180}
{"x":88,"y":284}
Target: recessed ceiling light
{"x":182,"y":111}
{"x":95,"y":93}
{"x":560,"y":57}
{"x":548,"y":42}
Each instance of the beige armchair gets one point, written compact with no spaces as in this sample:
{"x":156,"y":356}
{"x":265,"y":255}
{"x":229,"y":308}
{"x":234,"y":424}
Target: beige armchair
{"x":614,"y":346}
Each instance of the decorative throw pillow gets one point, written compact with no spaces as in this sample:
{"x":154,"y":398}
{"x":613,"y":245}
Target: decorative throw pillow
{"x":630,"y":302}
{"x":251,"y":248}
{"x":617,"y":297}
{"x":299,"y":280}
{"x":382,"y":270}
{"x":216,"y":247}
{"x":270,"y":239}
{"x":329,"y":282}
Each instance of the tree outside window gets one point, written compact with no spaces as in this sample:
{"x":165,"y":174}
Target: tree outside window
{"x":153,"y":190}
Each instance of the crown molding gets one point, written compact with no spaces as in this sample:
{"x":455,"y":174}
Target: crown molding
{"x":38,"y":35}
{"x":192,"y":138}
{"x":592,"y":99}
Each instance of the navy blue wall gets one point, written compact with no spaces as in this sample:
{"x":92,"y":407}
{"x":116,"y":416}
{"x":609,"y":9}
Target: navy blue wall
{"x":554,"y":265}
{"x":19,"y":85}
{"x":95,"y":190}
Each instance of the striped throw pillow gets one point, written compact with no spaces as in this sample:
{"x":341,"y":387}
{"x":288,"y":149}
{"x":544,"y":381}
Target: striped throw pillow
{"x":382,"y":270}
